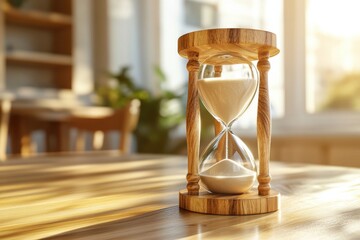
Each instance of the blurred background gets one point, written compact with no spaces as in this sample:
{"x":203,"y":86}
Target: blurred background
{"x":61,"y":59}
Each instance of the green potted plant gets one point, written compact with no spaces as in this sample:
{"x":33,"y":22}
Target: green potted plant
{"x":119,"y":90}
{"x":160,"y":113}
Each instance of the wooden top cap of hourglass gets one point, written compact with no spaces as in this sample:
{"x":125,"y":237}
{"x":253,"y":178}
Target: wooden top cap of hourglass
{"x":246,"y":42}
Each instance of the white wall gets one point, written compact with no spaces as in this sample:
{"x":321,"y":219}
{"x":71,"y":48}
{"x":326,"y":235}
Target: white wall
{"x":172,"y":27}
{"x":83,"y":73}
{"x":127,"y":34}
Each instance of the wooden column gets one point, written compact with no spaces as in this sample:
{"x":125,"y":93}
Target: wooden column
{"x":193,"y":125}
{"x":264,"y":124}
{"x":217,"y":125}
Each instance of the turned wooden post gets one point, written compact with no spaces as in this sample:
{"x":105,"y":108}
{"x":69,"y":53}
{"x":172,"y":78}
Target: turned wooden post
{"x":218,"y":70}
{"x":193,"y":125}
{"x":217,"y":125}
{"x":264,"y":124}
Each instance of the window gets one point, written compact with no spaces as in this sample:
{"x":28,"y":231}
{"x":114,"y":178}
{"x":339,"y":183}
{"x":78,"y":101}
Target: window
{"x":332,"y":55}
{"x":258,"y":14}
{"x":314,"y":81}
{"x":306,"y":80}
{"x":195,"y":15}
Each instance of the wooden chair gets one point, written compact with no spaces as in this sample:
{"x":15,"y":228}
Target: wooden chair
{"x":40,"y":111}
{"x":99,"y":120}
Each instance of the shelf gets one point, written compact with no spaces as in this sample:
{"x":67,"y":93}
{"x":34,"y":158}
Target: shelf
{"x":23,"y":30}
{"x":36,"y":18}
{"x":38,"y":59}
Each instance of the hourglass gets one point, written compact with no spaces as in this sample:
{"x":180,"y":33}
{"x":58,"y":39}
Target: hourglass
{"x":221,"y":180}
{"x":227,"y":165}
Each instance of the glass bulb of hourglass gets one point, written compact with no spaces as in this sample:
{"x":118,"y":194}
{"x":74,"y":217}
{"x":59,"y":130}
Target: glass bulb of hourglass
{"x":227,"y":165}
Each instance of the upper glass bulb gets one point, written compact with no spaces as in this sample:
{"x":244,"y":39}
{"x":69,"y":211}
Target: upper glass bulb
{"x":227,"y":84}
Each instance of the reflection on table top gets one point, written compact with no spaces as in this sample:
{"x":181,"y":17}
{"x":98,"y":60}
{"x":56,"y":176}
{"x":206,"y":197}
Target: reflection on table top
{"x":108,"y":196}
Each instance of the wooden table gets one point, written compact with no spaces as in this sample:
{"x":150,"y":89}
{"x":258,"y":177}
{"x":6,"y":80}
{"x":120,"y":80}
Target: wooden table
{"x":108,"y":196}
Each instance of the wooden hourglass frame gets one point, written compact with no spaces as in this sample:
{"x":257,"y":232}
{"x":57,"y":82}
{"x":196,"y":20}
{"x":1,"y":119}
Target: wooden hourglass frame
{"x":253,"y":45}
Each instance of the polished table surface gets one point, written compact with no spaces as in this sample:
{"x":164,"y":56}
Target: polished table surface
{"x":105,"y":195}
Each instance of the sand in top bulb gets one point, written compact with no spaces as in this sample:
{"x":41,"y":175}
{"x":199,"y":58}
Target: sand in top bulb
{"x":226,"y":98}
{"x":228,"y":177}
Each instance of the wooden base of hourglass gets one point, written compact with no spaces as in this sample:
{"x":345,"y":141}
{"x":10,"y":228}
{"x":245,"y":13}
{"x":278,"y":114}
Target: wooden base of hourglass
{"x":222,"y":204}
{"x":253,"y":45}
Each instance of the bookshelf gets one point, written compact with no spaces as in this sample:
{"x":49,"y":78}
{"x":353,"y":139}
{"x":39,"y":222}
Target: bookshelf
{"x":37,"y":59}
{"x":38,"y":37}
{"x":34,"y":18}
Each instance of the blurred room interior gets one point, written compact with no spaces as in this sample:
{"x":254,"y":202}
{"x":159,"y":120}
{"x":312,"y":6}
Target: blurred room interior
{"x":71,"y":68}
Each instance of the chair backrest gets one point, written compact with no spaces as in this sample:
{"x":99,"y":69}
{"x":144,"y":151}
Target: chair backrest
{"x":102,"y":119}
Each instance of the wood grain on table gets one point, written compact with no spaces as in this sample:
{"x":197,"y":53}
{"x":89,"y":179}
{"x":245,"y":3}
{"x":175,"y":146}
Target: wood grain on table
{"x":107,"y":196}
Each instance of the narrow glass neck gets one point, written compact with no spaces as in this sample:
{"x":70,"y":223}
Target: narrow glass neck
{"x":227,"y":127}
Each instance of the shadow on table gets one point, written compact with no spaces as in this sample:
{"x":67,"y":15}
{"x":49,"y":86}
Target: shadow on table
{"x":166,"y":223}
